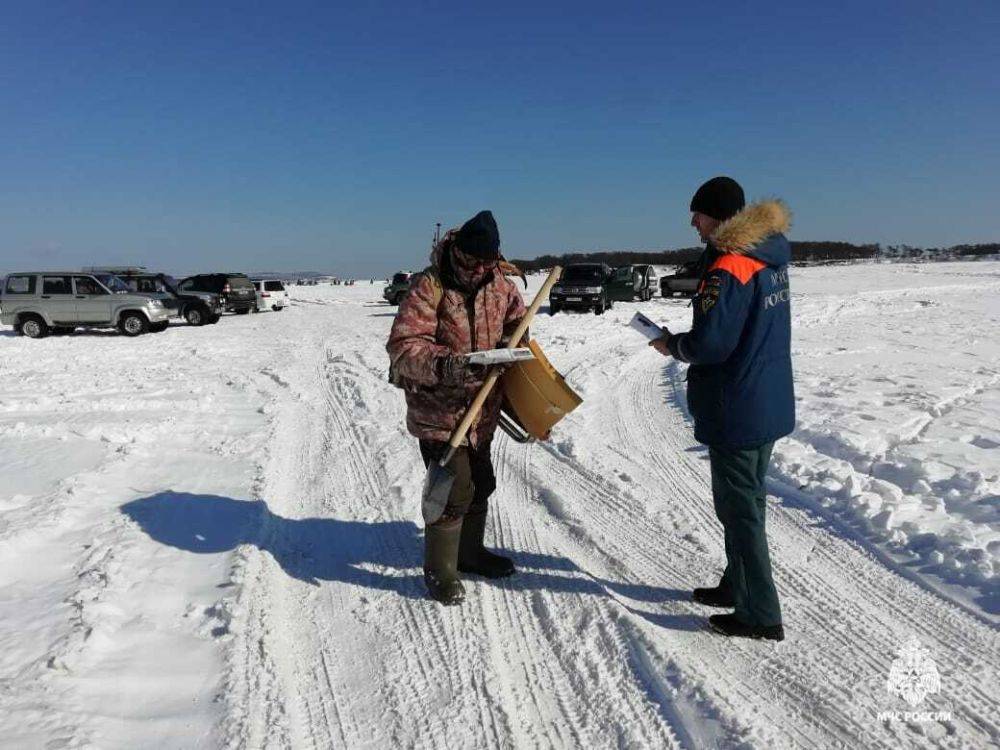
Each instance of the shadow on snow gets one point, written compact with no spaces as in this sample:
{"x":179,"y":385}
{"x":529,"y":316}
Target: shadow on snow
{"x":378,"y":555}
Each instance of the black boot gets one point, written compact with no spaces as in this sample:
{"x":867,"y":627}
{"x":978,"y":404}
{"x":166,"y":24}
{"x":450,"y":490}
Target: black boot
{"x":717,"y":597}
{"x":440,"y":559}
{"x":473,"y":557}
{"x":729,"y":625}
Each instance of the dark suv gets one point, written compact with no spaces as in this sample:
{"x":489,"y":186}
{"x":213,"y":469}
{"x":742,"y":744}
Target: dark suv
{"x":397,"y":288}
{"x":235,"y":290}
{"x":684,"y":281}
{"x":197,"y":308}
{"x":583,"y":286}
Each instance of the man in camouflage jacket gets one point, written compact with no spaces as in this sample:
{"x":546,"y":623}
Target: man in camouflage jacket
{"x":461,"y":303}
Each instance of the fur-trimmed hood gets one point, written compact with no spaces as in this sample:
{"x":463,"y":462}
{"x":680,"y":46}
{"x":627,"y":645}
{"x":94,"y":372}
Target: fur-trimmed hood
{"x":757,"y":230}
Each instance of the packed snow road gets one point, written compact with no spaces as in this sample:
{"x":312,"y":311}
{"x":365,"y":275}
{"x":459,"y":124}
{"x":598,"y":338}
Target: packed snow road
{"x":211,"y":538}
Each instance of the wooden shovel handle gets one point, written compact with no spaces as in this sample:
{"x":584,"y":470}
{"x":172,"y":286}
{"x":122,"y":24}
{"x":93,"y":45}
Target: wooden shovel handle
{"x":477,"y":403}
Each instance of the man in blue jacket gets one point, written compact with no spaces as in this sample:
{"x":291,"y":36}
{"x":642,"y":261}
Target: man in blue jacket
{"x":740,"y":388}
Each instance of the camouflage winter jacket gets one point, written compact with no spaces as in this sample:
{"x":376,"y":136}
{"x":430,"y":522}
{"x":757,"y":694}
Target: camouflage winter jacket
{"x":438,"y":317}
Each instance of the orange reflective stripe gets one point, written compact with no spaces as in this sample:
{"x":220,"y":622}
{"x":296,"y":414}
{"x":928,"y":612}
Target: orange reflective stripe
{"x":740,"y":266}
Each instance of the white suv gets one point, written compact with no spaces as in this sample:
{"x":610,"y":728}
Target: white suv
{"x":271,"y":294}
{"x":39,"y":303}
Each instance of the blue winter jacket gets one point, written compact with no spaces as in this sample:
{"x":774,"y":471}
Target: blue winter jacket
{"x":740,"y":380}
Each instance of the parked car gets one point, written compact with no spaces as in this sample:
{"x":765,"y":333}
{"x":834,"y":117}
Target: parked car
{"x":235,"y":290}
{"x":397,"y":288}
{"x":684,"y":281}
{"x":271,"y":294}
{"x":197,"y":308}
{"x":630,"y":283}
{"x":40,"y":303}
{"x":583,"y":286}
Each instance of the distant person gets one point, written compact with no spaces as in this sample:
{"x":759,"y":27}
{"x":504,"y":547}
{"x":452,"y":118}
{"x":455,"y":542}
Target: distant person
{"x":740,"y":388}
{"x":460,"y":304}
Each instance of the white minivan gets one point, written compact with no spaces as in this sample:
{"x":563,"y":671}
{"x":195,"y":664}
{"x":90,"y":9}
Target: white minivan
{"x":271,"y":294}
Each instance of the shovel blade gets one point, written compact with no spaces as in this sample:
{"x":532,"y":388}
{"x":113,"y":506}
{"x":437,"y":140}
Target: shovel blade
{"x":437,"y":488}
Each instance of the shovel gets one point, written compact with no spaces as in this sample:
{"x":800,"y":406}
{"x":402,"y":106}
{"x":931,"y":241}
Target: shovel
{"x":440,"y":476}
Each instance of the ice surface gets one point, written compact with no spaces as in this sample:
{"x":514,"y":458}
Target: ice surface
{"x":211,"y":538}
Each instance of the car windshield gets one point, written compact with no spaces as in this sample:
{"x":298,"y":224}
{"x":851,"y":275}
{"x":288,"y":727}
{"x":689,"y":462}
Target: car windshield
{"x":113,"y":283}
{"x":623,"y":274}
{"x":169,"y":282}
{"x":577,"y":274}
{"x":240,"y":282}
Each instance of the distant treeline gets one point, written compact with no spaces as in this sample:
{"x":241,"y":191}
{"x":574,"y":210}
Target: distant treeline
{"x":803,"y":253}
{"x":613,"y":258}
{"x":955,"y":251}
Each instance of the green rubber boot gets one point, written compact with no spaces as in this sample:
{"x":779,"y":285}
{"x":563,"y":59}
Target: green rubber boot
{"x":440,"y":563}
{"x":473,"y":557}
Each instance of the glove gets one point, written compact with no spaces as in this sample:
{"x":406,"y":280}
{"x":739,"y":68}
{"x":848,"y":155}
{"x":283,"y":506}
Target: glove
{"x":454,"y":369}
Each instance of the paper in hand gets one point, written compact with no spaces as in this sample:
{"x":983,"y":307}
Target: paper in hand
{"x":646,"y":327}
{"x":499,"y":356}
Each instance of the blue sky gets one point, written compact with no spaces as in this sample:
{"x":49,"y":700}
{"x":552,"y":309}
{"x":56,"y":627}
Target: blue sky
{"x":198,"y":136}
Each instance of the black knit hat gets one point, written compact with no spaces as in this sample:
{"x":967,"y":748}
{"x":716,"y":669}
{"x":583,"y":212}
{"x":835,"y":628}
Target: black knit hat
{"x":721,"y":198}
{"x":479,"y":237}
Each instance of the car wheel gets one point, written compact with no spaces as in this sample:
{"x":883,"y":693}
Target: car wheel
{"x":133,"y":324}
{"x":608,"y":304}
{"x":195,"y":316}
{"x":553,"y":309}
{"x":214,"y":319}
{"x":34,"y":327}
{"x":599,"y":309}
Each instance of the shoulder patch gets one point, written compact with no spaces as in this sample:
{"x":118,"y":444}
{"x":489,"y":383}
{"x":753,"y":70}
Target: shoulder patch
{"x":709,"y":296}
{"x":740,"y":266}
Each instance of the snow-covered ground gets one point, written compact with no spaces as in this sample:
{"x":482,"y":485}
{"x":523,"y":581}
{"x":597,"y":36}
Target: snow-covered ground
{"x":211,"y":538}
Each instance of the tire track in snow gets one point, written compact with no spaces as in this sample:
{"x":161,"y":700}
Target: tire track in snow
{"x":589,"y":645}
{"x":419,"y":661}
{"x":570,"y":630}
{"x":798,"y":687}
{"x":805,"y":585}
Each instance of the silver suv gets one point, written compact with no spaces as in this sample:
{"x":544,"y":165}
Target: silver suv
{"x":39,"y":303}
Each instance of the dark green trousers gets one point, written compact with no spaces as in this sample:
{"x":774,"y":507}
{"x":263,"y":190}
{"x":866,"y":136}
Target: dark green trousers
{"x":739,"y":495}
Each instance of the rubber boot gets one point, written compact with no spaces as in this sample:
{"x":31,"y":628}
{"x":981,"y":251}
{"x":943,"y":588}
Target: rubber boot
{"x":473,"y":557}
{"x":440,"y":563}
